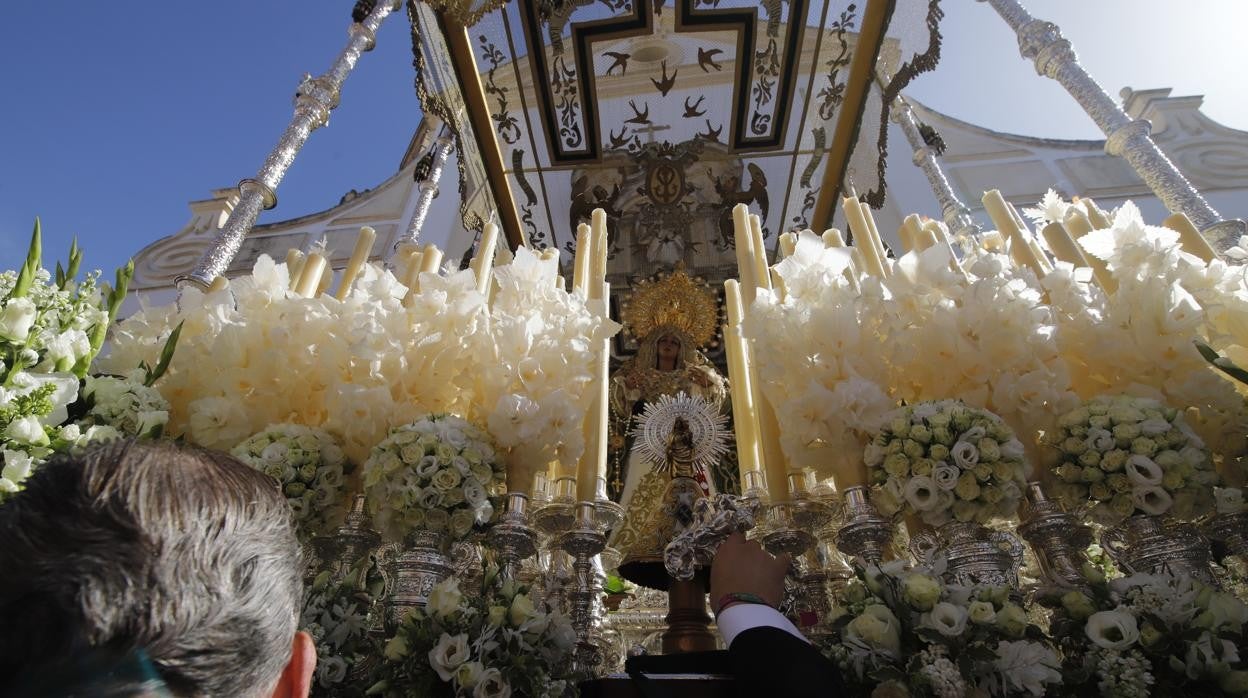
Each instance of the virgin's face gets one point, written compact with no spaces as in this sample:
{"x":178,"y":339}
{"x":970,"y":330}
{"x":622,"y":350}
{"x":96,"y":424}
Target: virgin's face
{"x":668,"y":347}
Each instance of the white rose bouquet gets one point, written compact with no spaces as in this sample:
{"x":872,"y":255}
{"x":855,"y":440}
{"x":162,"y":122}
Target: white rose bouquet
{"x":1151,"y":634}
{"x":490,"y":645}
{"x":908,"y":627}
{"x":311,"y":468}
{"x":946,"y":461}
{"x":438,"y":474}
{"x":1123,"y":455}
{"x":338,"y":615}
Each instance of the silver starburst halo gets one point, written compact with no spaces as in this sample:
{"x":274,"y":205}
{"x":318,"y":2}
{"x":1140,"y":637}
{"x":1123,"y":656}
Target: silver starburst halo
{"x":707,"y":426}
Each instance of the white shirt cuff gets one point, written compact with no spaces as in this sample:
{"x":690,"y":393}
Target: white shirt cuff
{"x":738,"y":618}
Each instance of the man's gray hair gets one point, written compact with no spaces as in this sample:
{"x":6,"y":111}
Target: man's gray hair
{"x":187,"y":555}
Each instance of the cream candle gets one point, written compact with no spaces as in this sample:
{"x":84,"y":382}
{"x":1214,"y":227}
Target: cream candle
{"x":359,"y":257}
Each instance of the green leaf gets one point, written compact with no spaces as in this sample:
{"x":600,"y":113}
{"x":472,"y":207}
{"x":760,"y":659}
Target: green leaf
{"x":166,"y":356}
{"x":31,"y":266}
{"x":75,"y":261}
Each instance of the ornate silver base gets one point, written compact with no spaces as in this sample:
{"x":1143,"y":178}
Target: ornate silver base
{"x":975,"y":554}
{"x":1057,"y":538}
{"x":1232,"y":531}
{"x":1151,"y":544}
{"x":866,"y":534}
{"x":415,"y":571}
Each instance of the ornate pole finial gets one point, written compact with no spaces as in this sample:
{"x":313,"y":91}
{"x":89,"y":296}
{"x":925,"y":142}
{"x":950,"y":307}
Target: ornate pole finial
{"x":957,"y":216}
{"x":1042,"y":42}
{"x":314,"y":99}
{"x":428,"y":176}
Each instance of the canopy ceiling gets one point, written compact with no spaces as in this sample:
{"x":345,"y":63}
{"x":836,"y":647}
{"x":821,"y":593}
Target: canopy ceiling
{"x":668,"y":109}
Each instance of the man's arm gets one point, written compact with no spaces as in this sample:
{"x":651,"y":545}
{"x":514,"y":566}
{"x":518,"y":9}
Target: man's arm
{"x":770,"y":656}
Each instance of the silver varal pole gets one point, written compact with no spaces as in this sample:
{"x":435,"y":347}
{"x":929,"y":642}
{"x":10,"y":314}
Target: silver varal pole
{"x":314,"y":99}
{"x":428,"y":187}
{"x":957,"y":216}
{"x":1042,"y":42}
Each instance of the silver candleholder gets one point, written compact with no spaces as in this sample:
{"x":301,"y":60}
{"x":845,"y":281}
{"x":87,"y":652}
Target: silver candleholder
{"x":558,"y":513}
{"x":866,"y":534}
{"x":349,"y":542}
{"x":583,"y":542}
{"x":512,"y":539}
{"x":1057,"y":538}
{"x":790,"y":525}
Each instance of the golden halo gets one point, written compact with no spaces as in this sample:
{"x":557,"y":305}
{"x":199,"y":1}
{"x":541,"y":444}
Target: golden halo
{"x":675,"y":300}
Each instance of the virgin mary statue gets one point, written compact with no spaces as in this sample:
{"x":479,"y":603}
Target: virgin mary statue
{"x":671,"y":316}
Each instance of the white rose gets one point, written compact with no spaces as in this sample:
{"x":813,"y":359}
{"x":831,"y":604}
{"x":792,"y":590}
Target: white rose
{"x":492,"y":685}
{"x":16,"y":319}
{"x":965,"y":454}
{"x":521,"y":609}
{"x":945,"y":476}
{"x":1143,"y":471}
{"x":945,"y":618}
{"x":445,"y":598}
{"x":449,"y":654}
{"x":1012,"y":450}
{"x":446,"y":479}
{"x":332,"y":669}
{"x":1100,"y":440}
{"x":26,"y":430}
{"x":474,"y":493}
{"x":427,"y":466}
{"x":274,"y":453}
{"x":469,"y":674}
{"x":1152,"y":500}
{"x":921,"y":493}
{"x":1113,"y":630}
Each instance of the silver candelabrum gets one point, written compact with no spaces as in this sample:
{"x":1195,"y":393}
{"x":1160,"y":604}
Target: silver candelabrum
{"x":512,"y":538}
{"x":1057,"y":538}
{"x":583,"y":541}
{"x":866,"y":534}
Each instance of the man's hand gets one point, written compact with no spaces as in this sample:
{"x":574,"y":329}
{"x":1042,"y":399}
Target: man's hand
{"x":742,"y":566}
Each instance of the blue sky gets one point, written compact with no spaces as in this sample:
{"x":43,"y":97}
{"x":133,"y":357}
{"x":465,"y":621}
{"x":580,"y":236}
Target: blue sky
{"x":116,"y":114}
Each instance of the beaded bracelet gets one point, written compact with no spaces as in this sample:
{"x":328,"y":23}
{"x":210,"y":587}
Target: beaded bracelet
{"x":735,"y":597}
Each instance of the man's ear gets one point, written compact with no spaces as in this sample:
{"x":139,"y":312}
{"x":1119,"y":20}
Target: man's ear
{"x":296,"y":678}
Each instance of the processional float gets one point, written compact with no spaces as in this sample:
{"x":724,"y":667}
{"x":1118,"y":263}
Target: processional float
{"x":556,"y":534}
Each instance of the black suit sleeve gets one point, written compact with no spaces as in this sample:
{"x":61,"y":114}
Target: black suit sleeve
{"x":770,"y":662}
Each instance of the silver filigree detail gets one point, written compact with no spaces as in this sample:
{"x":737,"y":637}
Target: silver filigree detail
{"x":708,"y":427}
{"x":1153,"y":544}
{"x":314,"y":99}
{"x":1042,"y":43}
{"x":713,"y":521}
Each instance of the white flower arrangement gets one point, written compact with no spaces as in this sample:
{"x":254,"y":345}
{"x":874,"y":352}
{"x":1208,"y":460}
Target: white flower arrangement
{"x":127,"y":404}
{"x":338,"y":614}
{"x":545,"y":343}
{"x":256,"y":353}
{"x":51,"y":329}
{"x":438,"y":474}
{"x":906,"y":626}
{"x":945,"y":461}
{"x":1123,"y":455}
{"x":1151,"y":634}
{"x":488,"y":645}
{"x":311,"y":468}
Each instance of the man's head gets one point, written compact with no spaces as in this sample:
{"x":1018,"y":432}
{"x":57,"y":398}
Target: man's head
{"x":186,"y":556}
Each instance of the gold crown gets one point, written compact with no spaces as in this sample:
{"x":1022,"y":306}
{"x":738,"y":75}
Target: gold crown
{"x":675,"y":300}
